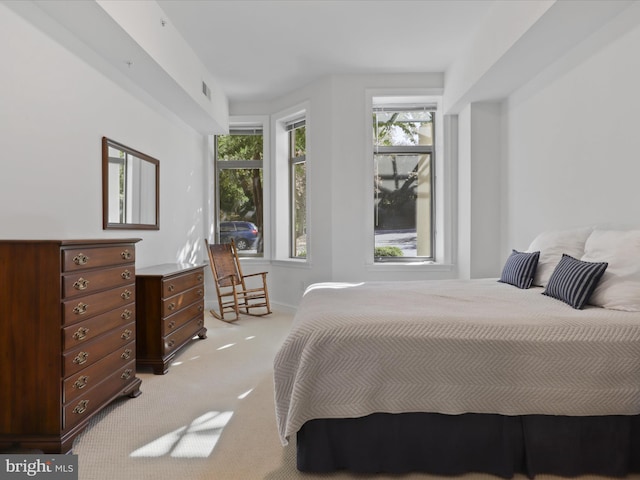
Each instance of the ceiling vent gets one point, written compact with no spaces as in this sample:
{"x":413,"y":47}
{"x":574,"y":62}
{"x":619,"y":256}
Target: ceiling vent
{"x":206,"y":91}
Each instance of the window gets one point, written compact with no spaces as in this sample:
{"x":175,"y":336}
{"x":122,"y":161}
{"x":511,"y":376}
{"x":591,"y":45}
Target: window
{"x":239,"y":197}
{"x":404,"y":160}
{"x":297,"y":188}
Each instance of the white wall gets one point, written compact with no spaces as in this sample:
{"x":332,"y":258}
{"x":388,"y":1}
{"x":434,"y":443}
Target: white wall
{"x":54,"y":111}
{"x":572,"y":138}
{"x":479,"y":187}
{"x":340,"y":182}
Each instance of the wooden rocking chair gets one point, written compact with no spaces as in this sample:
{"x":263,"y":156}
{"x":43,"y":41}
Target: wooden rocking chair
{"x":233,"y":294}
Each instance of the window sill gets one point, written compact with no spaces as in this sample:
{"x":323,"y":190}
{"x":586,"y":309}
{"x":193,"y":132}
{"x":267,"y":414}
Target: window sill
{"x":408,"y":266}
{"x":254,"y":261}
{"x":292,"y":262}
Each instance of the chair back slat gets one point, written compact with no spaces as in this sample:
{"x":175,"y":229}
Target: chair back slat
{"x":224,"y":264}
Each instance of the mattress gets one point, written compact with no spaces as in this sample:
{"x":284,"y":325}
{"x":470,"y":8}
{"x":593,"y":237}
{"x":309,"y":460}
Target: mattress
{"x":452,"y":347}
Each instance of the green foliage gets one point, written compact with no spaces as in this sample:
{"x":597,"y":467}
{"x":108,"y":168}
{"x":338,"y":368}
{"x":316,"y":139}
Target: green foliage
{"x":299,"y":174}
{"x":385,"y":129}
{"x":388,"y":252}
{"x":241,"y":189}
{"x":300,"y":141}
{"x":240,"y":147}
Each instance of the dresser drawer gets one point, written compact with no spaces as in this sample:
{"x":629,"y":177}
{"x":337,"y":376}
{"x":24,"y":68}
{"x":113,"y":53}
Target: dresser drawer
{"x":182,"y":335}
{"x":77,"y":309}
{"x":84,"y":283}
{"x":177,"y":302}
{"x":93,"y":399}
{"x":177,"y":284}
{"x":88,"y":378}
{"x":83,"y":258}
{"x":83,"y":332}
{"x":79,"y":358}
{"x":175,"y":321}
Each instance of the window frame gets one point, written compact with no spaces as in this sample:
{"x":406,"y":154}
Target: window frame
{"x":445,"y":190}
{"x":411,"y":150}
{"x":281,"y":215}
{"x":292,"y":126}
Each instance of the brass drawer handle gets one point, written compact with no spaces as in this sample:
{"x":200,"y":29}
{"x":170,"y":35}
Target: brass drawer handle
{"x":199,"y":277}
{"x":126,"y":295}
{"x":172,"y":324}
{"x":81,"y":284}
{"x":126,"y":354}
{"x":81,"y":333}
{"x":200,"y":322}
{"x":80,"y":259}
{"x":172,"y":306}
{"x":126,"y":334}
{"x":126,"y":314}
{"x":171,"y":343}
{"x":126,"y":275}
{"x":81,"y":407}
{"x":200,"y":293}
{"x":126,"y":374}
{"x":81,"y":382}
{"x":200,"y":308}
{"x":80,"y":309}
{"x":171,"y":287}
{"x":81,"y":358}
{"x":126,"y":255}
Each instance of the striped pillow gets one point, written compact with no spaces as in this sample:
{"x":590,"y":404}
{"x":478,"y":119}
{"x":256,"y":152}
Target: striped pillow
{"x":520,"y":268}
{"x":573,"y":281}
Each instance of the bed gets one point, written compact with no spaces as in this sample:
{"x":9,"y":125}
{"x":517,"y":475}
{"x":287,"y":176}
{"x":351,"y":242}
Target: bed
{"x":456,"y":376}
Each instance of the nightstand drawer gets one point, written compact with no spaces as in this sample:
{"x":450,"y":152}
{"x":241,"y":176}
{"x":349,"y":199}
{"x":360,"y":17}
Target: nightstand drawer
{"x":182,"y":335}
{"x":177,"y":284}
{"x":175,"y":321}
{"x":177,"y":302}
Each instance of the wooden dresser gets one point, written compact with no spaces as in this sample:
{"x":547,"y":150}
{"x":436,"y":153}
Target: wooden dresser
{"x":169,"y":312}
{"x":67,"y":337}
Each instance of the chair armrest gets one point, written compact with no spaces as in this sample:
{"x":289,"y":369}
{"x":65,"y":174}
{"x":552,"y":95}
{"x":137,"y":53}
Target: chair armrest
{"x":255,"y":274}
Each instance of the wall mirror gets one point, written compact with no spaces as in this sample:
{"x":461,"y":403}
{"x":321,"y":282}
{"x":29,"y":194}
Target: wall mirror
{"x":130,"y":188}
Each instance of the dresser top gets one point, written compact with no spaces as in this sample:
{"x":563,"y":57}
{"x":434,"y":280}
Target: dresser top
{"x":71,"y":242}
{"x":167,"y":269}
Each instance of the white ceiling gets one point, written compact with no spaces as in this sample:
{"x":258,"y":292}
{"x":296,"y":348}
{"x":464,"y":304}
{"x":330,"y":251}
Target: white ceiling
{"x":261,"y":49}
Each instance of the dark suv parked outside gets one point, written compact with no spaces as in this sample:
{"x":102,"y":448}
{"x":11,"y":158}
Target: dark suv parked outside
{"x":244,"y":234}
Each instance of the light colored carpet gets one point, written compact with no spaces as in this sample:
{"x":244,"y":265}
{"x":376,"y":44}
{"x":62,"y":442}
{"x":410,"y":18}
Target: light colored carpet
{"x":191,"y":424}
{"x":171,"y":431}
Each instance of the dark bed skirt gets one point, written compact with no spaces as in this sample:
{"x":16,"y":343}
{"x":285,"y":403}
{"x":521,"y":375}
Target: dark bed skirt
{"x":457,"y":444}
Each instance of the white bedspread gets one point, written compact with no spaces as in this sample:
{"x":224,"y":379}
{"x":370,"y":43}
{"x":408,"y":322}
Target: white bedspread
{"x":452,"y":347}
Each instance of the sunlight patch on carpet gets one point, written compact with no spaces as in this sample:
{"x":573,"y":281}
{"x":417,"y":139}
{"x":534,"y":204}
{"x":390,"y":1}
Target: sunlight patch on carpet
{"x":196,"y":440}
{"x":245,"y":394}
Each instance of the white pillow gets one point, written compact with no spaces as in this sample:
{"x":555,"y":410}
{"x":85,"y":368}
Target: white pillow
{"x":552,"y":245}
{"x":619,"y":287}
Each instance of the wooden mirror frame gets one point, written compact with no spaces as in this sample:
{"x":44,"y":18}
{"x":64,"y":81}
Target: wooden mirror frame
{"x":131,"y":224}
